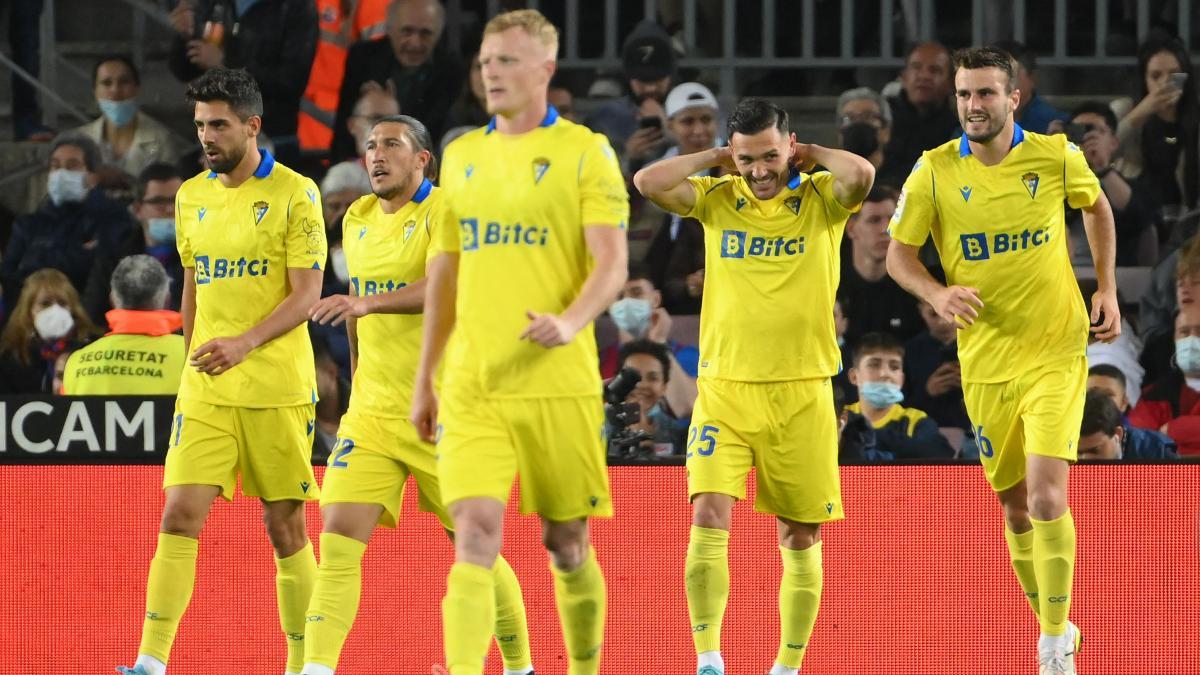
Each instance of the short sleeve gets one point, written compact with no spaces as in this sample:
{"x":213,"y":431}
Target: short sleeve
{"x":186,"y":256}
{"x":915,"y":210}
{"x":443,"y":227}
{"x":603,"y":199}
{"x":305,"y":239}
{"x":702,"y":185}
{"x":822,"y":182}
{"x":1080,"y":184}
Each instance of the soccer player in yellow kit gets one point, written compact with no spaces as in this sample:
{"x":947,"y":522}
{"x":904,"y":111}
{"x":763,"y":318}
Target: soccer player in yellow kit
{"x":992,"y":201}
{"x":252,"y":242}
{"x":541,"y":208}
{"x":767,"y":352}
{"x":386,"y":238}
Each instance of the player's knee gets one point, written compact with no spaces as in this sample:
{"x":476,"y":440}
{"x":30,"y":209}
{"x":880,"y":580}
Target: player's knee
{"x":1047,"y":503}
{"x":183,"y":519}
{"x":798,"y":536}
{"x":285,"y":530}
{"x":567,"y":543}
{"x":712,"y":511}
{"x":476,"y":536}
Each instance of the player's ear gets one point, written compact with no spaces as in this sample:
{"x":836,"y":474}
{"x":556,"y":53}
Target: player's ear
{"x":852,"y":375}
{"x":253,"y":125}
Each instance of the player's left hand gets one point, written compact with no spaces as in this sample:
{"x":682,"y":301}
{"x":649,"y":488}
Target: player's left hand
{"x":205,"y":54}
{"x":337,"y":308}
{"x":548,"y":330}
{"x":801,"y":161}
{"x":220,"y":354}
{"x":1104,"y":306}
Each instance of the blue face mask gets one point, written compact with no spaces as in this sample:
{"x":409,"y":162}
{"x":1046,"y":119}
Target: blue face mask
{"x":161,"y":230}
{"x":881,"y":394}
{"x":65,"y":186}
{"x":120,"y":113}
{"x":631,"y":315}
{"x":1187,"y":354}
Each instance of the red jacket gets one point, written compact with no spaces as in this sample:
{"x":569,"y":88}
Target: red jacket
{"x":1172,"y":402}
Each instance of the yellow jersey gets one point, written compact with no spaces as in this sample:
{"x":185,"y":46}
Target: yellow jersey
{"x":240,"y":242}
{"x":386,"y":252}
{"x":771,"y":271}
{"x":520,"y":204}
{"x":1001,"y":229}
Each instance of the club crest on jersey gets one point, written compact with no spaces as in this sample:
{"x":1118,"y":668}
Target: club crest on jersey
{"x":408,"y":229}
{"x":1031,"y":184}
{"x":540,"y":165}
{"x":260,"y":210}
{"x":793,"y":203}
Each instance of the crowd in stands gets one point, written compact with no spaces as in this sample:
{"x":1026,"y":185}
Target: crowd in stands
{"x":97,"y":256}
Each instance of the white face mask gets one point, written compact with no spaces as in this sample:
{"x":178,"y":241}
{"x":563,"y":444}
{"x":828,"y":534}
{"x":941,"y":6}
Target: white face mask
{"x":65,"y":186}
{"x":53,"y":322}
{"x":337,"y":261}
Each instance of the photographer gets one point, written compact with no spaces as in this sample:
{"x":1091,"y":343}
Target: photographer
{"x":654,"y":428}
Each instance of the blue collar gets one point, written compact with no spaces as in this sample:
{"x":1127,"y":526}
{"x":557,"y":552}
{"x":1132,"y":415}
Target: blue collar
{"x":964,"y":146}
{"x":794,"y":179}
{"x":422,"y":191}
{"x":265,"y":165}
{"x":550,"y":118}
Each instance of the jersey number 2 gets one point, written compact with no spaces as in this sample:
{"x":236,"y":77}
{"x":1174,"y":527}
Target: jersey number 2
{"x":340,"y":450}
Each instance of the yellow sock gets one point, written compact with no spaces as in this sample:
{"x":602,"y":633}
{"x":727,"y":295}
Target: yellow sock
{"x":1054,"y":560}
{"x":799,"y":600}
{"x":512,"y":633}
{"x":168,"y":592}
{"x":468,"y":617}
{"x":582,"y":601}
{"x":1020,"y":548}
{"x":706,"y":576}
{"x":335,"y":597}
{"x":295,"y":576}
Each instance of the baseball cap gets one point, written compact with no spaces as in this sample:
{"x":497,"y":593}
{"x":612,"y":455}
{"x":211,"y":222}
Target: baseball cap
{"x":647,"y":53}
{"x":689,"y":95}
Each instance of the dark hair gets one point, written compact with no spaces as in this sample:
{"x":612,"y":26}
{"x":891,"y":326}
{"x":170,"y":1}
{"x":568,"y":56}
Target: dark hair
{"x":639,"y":270}
{"x":91,"y":152}
{"x":975,"y":58}
{"x":1108,"y":370}
{"x":649,"y":347}
{"x":881,"y":192}
{"x":158,"y":171}
{"x":1188,"y":107}
{"x":877,"y":342}
{"x":1097,"y":108}
{"x":418,"y":137}
{"x":1161,"y":42}
{"x":753,"y":115}
{"x":107,"y":58}
{"x":1019,"y":53}
{"x":233,"y":86}
{"x":1100,"y":414}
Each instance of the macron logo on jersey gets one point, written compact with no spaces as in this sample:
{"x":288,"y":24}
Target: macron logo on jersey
{"x":210,"y":269}
{"x":736,"y":244}
{"x":976,"y":246}
{"x":495,"y":234}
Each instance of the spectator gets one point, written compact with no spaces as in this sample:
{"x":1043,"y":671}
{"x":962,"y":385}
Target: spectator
{"x":559,"y":96}
{"x":1160,"y":137}
{"x":638,"y":313}
{"x":1111,"y":381}
{"x":341,"y":24}
{"x":23,"y":36}
{"x":424,"y":75}
{"x":47,"y":321}
{"x":900,"y":433}
{"x":128,"y":138}
{"x":333,"y":399}
{"x":634,"y":123}
{"x":1033,"y":113}
{"x":1164,"y":299}
{"x":932,"y":374}
{"x":1133,"y":209}
{"x":142,"y":354}
{"x":274,"y":40}
{"x":856,"y":436}
{"x":665,"y":432}
{"x":75,"y":223}
{"x":922,"y":117}
{"x":371,"y":106}
{"x":154,"y":209}
{"x":470,"y":109}
{"x":1171,"y":404}
{"x":1104,"y":434}
{"x":875,"y":302}
{"x":864,"y":123}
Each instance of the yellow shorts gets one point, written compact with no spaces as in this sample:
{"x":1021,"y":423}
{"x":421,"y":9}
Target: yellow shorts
{"x":371,"y":461}
{"x":787,"y":431}
{"x":556,"y":445}
{"x":1038,"y":413}
{"x":270,"y":448}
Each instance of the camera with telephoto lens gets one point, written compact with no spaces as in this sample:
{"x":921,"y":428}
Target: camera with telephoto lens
{"x":620,"y":415}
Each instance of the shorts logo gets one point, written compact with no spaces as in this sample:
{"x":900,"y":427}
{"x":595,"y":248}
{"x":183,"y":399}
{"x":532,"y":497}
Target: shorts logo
{"x":540,"y":165}
{"x":977,"y":246}
{"x":304,"y":487}
{"x":736,"y":244}
{"x":829,"y":508}
{"x":793,"y":203}
{"x":1031,"y":184}
{"x":213,"y":269}
{"x":260,"y":210}
{"x":495,"y":234}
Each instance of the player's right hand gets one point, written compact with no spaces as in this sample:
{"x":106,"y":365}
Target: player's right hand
{"x":959,"y":305}
{"x":337,"y":308}
{"x":424,"y":412}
